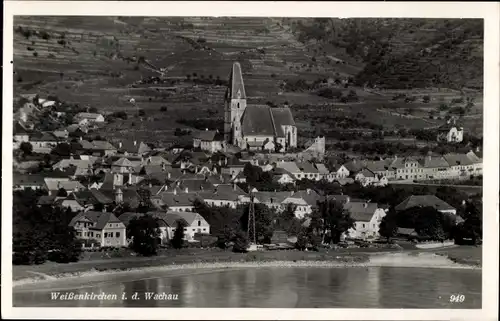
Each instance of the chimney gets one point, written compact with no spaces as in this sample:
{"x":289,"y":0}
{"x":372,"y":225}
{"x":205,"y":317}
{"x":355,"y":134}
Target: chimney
{"x":308,"y":191}
{"x":234,"y":186}
{"x":135,"y":143}
{"x":163,"y":167}
{"x":168,"y":175}
{"x":175,"y":191}
{"x":150,"y":185}
{"x":186,"y":190}
{"x":206,"y":129}
{"x":120,"y":145}
{"x":118,"y":196}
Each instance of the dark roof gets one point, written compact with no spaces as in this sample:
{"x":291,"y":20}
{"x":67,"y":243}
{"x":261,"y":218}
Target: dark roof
{"x":424,"y":201}
{"x":236,"y":83}
{"x":257,"y":120}
{"x":209,"y":135}
{"x":46,"y":200}
{"x":19,"y":129}
{"x":362,"y":212}
{"x":27,"y":179}
{"x":99,"y":218}
{"x":281,"y":117}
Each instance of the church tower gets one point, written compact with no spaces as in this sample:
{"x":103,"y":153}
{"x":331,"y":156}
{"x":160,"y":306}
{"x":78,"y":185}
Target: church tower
{"x":235,"y":103}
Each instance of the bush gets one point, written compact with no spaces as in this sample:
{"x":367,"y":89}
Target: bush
{"x":163,"y":108}
{"x":240,"y":242}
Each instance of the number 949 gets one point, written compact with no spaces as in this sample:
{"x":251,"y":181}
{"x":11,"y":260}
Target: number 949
{"x":457,"y":298}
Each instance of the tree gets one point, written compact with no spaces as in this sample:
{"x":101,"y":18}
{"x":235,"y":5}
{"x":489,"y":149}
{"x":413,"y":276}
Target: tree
{"x":178,"y":239}
{"x":264,"y":217}
{"x":388,"y":226}
{"x":145,"y":235}
{"x":26,"y":148}
{"x":38,"y":231}
{"x":336,"y":219}
{"x":240,"y":242}
{"x":62,"y":192}
{"x":426,"y":99}
{"x":471,"y":227}
{"x":63,"y":150}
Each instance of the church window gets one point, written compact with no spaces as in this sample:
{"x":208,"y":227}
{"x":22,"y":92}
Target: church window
{"x":238,"y":105}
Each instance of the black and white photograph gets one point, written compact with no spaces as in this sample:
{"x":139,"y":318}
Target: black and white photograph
{"x":239,"y":161}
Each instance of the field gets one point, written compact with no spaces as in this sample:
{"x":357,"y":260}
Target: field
{"x":98,"y":62}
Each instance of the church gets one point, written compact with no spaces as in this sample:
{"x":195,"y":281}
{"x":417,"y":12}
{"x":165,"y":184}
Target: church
{"x":255,"y":127}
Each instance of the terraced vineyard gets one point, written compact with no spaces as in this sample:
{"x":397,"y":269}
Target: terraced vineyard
{"x":102,"y":62}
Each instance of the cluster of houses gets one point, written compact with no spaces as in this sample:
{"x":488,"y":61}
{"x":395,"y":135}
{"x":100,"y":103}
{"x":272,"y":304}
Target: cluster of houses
{"x":100,"y":176}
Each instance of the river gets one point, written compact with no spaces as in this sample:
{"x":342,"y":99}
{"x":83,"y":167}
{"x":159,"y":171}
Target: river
{"x":273,"y":287}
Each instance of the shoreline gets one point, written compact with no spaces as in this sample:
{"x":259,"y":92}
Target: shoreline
{"x":397,"y":260}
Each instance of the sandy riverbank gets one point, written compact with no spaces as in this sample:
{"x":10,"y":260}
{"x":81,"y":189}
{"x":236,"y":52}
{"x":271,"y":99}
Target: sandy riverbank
{"x":402,"y":260}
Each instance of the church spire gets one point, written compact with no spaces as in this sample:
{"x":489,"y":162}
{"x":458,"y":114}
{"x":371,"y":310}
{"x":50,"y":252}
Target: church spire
{"x":237,"y":88}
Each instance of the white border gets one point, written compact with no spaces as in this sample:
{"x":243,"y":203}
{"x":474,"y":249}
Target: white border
{"x":488,"y":11}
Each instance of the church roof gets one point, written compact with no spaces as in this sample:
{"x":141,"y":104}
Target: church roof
{"x":236,"y":81}
{"x":257,"y":120}
{"x":281,"y":117}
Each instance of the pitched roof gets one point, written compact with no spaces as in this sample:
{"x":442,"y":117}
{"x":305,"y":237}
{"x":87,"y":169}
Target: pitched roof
{"x":474,"y":157}
{"x":100,"y":197}
{"x":309,"y":196}
{"x":99,"y":218}
{"x":209,"y":135}
{"x":424,"y":201}
{"x":27,"y":179}
{"x":123,"y":162}
{"x":354,"y":166}
{"x":46,"y":200}
{"x":43,"y":137}
{"x":322,"y":168}
{"x":378,"y":166}
{"x":271,"y":197}
{"x":434,"y":162}
{"x":188,"y":217}
{"x":289,"y":166}
{"x":281,"y":117}
{"x":307,"y":167}
{"x":360,"y":211}
{"x":257,"y":120}
{"x":367,"y":173}
{"x":54,"y":185}
{"x":237,"y":87}
{"x":458,"y":159}
{"x":179,"y":199}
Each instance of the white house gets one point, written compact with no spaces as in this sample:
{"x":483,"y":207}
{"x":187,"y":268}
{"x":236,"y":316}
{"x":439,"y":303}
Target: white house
{"x":367,"y":218}
{"x":194,"y":223}
{"x":209,"y":140}
{"x":103,"y":227}
{"x":88,"y":118}
{"x":450,"y":132}
{"x":340,"y":172}
{"x":304,"y":202}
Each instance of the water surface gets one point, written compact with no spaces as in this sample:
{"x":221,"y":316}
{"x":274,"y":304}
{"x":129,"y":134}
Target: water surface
{"x":272,"y":287}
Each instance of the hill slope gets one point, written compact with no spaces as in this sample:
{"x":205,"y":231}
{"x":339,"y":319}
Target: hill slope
{"x":405,"y":53}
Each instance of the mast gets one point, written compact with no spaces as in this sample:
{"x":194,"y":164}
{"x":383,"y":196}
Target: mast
{"x":252,"y":238}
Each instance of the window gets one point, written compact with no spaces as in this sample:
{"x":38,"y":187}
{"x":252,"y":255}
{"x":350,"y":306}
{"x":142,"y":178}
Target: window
{"x":110,"y":234}
{"x":199,"y":223}
{"x":117,"y":234}
{"x":105,"y":234}
{"x":194,"y":230}
{"x":98,"y":235}
{"x":204,"y":229}
{"x":363,"y":225}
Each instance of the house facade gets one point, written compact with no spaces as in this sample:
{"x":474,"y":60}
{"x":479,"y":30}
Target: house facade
{"x":103,"y":227}
{"x":367,"y":218}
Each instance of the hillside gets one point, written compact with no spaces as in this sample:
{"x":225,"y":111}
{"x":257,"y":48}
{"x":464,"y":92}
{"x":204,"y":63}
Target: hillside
{"x":405,"y":53}
{"x":181,"y":65}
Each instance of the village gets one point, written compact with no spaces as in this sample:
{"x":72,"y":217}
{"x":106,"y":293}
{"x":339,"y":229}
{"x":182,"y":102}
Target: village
{"x":106,"y":184}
